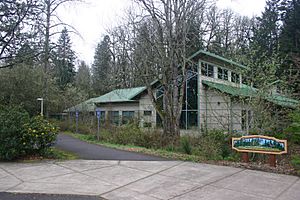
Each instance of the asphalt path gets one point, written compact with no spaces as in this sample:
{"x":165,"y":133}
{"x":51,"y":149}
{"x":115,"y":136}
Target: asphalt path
{"x":89,"y":151}
{"x":13,"y":196}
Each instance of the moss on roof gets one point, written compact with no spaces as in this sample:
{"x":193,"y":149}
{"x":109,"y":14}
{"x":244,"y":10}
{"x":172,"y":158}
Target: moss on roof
{"x":247,"y":91}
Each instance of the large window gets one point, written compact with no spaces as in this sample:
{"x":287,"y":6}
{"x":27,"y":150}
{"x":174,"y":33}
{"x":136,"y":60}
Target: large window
{"x":207,"y":70}
{"x":127,"y":117}
{"x":188,"y":119}
{"x":190,"y":106}
{"x":114,"y":117}
{"x":223,"y":74}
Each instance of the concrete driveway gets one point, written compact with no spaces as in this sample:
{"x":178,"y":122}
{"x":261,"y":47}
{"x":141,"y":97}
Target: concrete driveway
{"x":146,"y":180}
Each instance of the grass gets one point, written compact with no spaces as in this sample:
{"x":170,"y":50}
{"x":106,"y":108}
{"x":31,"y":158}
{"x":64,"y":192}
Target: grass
{"x":52,"y":154}
{"x":59,"y":154}
{"x":155,"y":152}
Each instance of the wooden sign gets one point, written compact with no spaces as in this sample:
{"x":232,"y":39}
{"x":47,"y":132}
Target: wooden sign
{"x":259,"y":144}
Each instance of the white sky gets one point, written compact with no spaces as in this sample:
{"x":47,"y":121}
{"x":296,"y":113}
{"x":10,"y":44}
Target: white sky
{"x":92,"y":18}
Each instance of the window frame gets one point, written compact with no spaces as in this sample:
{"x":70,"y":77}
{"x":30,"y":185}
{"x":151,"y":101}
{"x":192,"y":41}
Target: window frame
{"x":127,"y":118}
{"x":223,"y":74}
{"x":147,"y":112}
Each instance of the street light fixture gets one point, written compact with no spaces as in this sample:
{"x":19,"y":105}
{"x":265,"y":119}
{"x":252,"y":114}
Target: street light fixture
{"x":42,"y":105}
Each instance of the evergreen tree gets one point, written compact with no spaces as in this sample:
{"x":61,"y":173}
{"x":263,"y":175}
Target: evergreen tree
{"x":290,"y":45}
{"x":83,"y":78}
{"x":64,"y":67}
{"x":290,"y":36}
{"x":101,"y":66}
{"x":266,"y":34}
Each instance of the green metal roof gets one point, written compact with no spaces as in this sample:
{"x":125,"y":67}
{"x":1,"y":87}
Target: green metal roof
{"x":247,"y":91}
{"x":120,"y":95}
{"x":218,"y":58}
{"x":234,"y":91}
{"x":87,"y":106}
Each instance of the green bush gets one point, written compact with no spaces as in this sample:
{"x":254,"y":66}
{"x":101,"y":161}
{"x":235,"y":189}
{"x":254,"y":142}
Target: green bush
{"x":186,"y":145}
{"x":296,"y":163}
{"x":294,"y":128}
{"x":214,"y":145}
{"x":12,"y":120}
{"x":21,"y":136}
{"x":38,"y":135}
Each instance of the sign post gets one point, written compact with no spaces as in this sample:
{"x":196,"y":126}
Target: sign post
{"x":260,"y":144}
{"x":76,"y":115}
{"x":98,"y":113}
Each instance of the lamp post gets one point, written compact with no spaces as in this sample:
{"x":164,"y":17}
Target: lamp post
{"x":42,"y":105}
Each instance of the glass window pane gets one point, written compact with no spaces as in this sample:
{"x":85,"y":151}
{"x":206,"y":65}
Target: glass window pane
{"x":192,"y":119}
{"x":204,"y":69}
{"x":220,"y":73}
{"x":147,"y":113}
{"x":210,"y":71}
{"x":127,"y":117}
{"x":225,"y":74}
{"x":114,"y":117}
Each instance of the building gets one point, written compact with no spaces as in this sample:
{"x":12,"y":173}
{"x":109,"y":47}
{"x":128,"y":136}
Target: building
{"x":215,"y":98}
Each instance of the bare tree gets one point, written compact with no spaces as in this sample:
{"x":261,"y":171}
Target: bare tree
{"x":165,"y":48}
{"x":49,"y":22}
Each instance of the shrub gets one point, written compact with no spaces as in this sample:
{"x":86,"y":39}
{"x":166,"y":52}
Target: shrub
{"x":294,"y":127}
{"x":12,"y":120}
{"x":22,"y":136}
{"x":186,"y":145}
{"x":296,"y":163}
{"x":214,"y":145}
{"x":38,"y":135}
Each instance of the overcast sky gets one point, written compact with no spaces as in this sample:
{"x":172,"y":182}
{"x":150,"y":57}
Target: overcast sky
{"x":93,"y":17}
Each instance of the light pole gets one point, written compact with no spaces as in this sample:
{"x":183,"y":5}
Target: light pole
{"x":42,"y":105}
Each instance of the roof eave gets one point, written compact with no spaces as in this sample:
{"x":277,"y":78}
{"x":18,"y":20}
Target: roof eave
{"x":219,"y":58}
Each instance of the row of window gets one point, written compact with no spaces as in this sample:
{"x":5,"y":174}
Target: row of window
{"x":209,"y":70}
{"x":126,"y":117}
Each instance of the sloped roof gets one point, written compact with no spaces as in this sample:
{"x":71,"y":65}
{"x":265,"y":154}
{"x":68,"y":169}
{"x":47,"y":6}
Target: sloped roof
{"x":247,"y":91}
{"x":87,"y":105}
{"x":120,"y":95}
{"x":218,"y":58}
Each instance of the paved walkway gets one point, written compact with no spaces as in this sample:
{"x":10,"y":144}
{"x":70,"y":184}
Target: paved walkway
{"x":96,"y":152}
{"x":146,"y":180}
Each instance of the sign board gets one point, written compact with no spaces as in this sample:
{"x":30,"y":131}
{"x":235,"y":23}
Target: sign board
{"x":98,"y":113}
{"x":259,"y":144}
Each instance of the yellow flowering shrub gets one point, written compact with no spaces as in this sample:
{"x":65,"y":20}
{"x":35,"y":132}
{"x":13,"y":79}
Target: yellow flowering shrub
{"x":38,"y":135}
